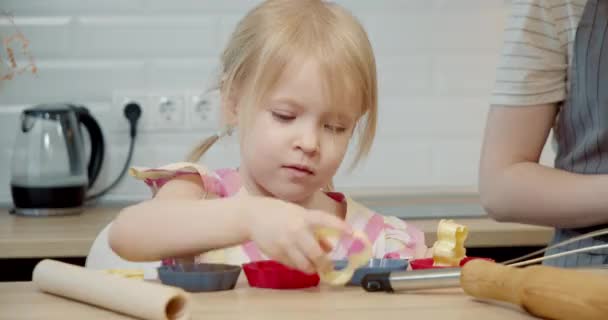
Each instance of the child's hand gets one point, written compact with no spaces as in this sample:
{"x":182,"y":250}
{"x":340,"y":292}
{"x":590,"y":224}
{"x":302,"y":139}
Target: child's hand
{"x":286,"y":232}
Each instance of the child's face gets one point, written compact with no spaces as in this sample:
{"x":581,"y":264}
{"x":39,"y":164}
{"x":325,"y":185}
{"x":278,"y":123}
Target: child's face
{"x":296,"y":141}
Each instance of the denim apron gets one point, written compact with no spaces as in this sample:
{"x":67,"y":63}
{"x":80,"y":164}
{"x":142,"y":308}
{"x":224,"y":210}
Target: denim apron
{"x":582,"y":123}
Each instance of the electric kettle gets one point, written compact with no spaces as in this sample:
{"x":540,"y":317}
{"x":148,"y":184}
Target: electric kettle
{"x":50,"y":173}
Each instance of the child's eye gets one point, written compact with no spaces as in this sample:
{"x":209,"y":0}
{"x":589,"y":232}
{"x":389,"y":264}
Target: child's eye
{"x":283,"y":117}
{"x":335,"y":129}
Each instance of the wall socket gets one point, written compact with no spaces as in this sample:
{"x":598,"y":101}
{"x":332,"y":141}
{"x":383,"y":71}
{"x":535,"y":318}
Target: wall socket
{"x":120,"y":100}
{"x":169,"y":111}
{"x":203,"y":110}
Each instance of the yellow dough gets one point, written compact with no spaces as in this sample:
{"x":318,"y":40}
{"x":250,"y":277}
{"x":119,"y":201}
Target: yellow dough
{"x":449,"y":249}
{"x":341,"y":277}
{"x":126,"y":273}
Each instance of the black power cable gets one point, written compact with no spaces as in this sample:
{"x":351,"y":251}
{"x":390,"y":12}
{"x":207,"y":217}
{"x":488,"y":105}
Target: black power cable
{"x":132,"y":112}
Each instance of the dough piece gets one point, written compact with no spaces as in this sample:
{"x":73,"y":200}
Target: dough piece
{"x":449,"y":248}
{"x":341,"y":277}
{"x":127,"y":273}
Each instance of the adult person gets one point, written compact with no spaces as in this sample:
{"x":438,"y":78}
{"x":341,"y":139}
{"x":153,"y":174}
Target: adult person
{"x":553,"y":75}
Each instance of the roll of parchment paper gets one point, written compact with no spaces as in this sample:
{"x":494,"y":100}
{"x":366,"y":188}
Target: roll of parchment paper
{"x":136,"y":298}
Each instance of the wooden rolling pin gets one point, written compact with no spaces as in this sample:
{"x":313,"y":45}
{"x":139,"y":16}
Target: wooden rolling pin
{"x":547,"y":292}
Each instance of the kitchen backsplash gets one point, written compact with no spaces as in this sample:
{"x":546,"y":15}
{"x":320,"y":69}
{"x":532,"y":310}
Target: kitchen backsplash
{"x":436,"y":61}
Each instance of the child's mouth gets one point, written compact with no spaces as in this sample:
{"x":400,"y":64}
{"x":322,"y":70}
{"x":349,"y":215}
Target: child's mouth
{"x":299,"y":171}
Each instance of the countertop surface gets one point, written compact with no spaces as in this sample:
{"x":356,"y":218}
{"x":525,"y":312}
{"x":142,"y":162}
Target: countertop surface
{"x":22,"y":300}
{"x":72,"y":236}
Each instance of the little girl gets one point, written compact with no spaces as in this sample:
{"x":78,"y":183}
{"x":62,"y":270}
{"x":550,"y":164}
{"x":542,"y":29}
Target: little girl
{"x":298,"y":78}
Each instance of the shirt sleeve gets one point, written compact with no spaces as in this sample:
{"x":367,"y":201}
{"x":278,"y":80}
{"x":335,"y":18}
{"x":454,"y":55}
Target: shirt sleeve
{"x":533,"y":63}
{"x":155,"y":178}
{"x":403,"y":240}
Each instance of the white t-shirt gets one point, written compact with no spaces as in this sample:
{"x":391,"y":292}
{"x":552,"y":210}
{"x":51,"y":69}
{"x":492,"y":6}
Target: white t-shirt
{"x":538,"y":41}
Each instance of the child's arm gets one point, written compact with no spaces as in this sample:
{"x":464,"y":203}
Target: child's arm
{"x":178,"y":222}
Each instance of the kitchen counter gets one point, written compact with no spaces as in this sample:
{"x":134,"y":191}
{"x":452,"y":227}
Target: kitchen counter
{"x":60,"y":236}
{"x":72,"y":236}
{"x":22,"y":300}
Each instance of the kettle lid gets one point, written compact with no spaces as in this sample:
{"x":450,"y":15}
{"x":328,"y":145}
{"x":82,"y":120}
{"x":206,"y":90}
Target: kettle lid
{"x":48,"y":108}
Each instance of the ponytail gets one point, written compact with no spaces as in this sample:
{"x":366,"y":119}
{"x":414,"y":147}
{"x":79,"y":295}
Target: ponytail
{"x":196,"y":153}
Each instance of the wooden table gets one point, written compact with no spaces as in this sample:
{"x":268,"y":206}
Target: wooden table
{"x":72,"y":236}
{"x":66,"y":236}
{"x":21,"y":300}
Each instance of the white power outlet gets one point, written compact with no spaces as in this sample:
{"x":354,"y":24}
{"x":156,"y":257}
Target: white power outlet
{"x":203,"y":110}
{"x":120,"y":100}
{"x":167,"y":111}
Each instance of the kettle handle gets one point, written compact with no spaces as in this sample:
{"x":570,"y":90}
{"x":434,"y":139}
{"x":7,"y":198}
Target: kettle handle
{"x":97,"y":142}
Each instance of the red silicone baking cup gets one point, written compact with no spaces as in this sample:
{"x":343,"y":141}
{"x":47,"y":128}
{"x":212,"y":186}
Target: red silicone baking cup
{"x":427,"y":263}
{"x":274,"y":275}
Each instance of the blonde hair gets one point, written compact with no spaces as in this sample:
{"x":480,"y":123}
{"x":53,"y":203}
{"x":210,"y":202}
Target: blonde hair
{"x":269,"y":37}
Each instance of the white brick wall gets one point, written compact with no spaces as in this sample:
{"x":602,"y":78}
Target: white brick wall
{"x":436,"y":63}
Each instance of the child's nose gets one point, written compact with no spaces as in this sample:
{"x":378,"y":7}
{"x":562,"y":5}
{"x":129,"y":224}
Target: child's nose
{"x":309,"y":141}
